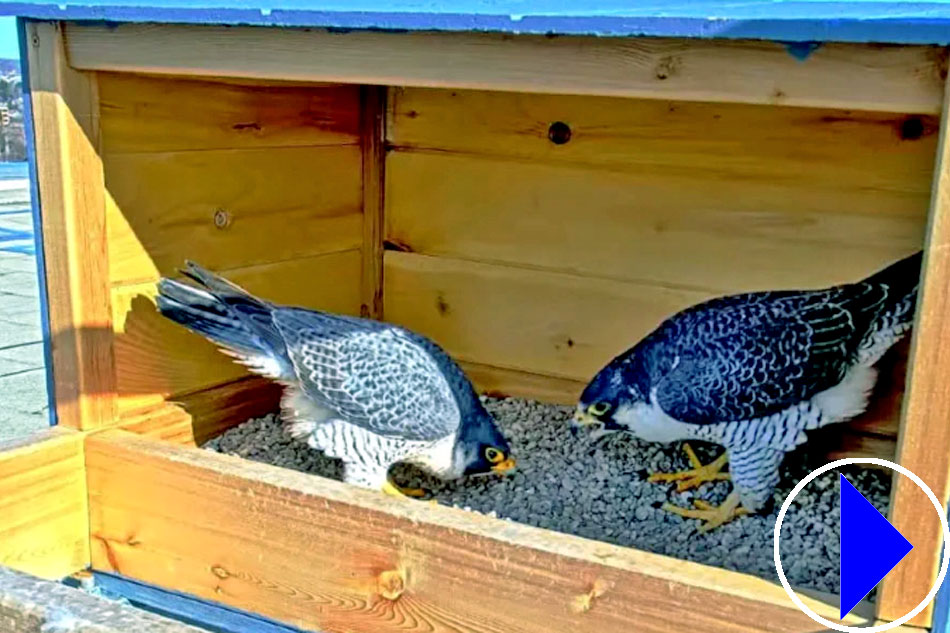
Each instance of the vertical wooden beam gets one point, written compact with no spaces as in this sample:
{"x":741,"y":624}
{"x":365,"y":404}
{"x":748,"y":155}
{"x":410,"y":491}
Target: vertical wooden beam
{"x":72,"y":207}
{"x":44,"y":510}
{"x":924,"y":436}
{"x":372,"y":141}
{"x":40,"y":255}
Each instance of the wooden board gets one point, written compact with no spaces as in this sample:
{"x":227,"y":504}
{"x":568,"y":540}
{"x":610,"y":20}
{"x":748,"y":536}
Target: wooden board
{"x":898,"y":78}
{"x":373,"y":121}
{"x":844,"y":149}
{"x":503,"y":383}
{"x":925,"y":433}
{"x":323,"y":555}
{"x":194,"y":418}
{"x":44,"y":523}
{"x":160,"y":357}
{"x":681,"y":228}
{"x":280,"y":204}
{"x":528,"y":320}
{"x":169,"y":114}
{"x":516,"y":324}
{"x":72,"y":210}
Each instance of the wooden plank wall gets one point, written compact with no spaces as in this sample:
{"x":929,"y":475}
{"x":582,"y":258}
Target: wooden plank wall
{"x":531,"y":252}
{"x":260,"y":181}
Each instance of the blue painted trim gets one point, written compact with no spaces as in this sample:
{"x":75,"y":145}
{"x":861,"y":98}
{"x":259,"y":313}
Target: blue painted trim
{"x":941,"y":617}
{"x":884,"y":21}
{"x":186,"y":608}
{"x":35,"y":205}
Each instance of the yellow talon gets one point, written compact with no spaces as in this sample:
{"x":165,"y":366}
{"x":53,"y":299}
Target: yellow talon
{"x":712,"y":515}
{"x":394,"y":490}
{"x":697,"y":475}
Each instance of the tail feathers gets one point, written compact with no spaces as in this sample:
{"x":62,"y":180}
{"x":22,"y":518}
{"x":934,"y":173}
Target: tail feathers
{"x":895,"y":288}
{"x":214,"y":282}
{"x":902,"y":277}
{"x":233,"y":319}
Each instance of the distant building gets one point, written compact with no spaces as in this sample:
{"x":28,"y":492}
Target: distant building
{"x":12,"y":138}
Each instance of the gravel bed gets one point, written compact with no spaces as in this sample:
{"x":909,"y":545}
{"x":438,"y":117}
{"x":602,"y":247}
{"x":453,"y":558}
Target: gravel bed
{"x":599,"y":491}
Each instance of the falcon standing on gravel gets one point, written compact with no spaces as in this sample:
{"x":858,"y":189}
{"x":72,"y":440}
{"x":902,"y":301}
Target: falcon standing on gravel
{"x":753,"y":372}
{"x":365,"y":392}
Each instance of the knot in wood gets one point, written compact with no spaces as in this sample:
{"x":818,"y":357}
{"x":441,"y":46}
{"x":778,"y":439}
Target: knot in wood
{"x":391,"y":584}
{"x":585,"y":601}
{"x":220,"y":572}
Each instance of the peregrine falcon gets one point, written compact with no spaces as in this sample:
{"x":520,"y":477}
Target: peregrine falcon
{"x":368,"y":393}
{"x":753,"y":372}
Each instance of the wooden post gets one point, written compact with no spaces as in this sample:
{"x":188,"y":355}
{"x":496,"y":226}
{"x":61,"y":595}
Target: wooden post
{"x":72,"y":198}
{"x":925,"y":434}
{"x":372,"y":142}
{"x":44,"y":523}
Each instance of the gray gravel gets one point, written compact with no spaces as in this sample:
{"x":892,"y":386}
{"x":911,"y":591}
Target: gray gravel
{"x":599,"y":491}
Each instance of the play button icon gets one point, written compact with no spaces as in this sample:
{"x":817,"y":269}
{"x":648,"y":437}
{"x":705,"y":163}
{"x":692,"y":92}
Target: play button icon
{"x":870,"y":547}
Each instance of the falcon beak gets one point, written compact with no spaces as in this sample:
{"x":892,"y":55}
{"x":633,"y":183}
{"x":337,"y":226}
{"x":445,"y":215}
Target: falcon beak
{"x":505,"y":466}
{"x":582,"y":419}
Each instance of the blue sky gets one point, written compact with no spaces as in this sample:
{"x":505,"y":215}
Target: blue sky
{"x":9,"y":48}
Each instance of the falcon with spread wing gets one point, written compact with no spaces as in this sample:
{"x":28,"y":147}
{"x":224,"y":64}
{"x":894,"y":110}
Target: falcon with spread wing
{"x":366,"y":392}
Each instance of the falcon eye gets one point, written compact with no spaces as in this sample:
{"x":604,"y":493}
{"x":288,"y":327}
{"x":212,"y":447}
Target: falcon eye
{"x":599,"y":408}
{"x":494,"y":455}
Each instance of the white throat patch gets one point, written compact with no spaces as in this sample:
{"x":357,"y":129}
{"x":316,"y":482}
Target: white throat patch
{"x":649,"y":422}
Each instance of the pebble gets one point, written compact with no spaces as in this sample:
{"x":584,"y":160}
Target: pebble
{"x":599,"y":491}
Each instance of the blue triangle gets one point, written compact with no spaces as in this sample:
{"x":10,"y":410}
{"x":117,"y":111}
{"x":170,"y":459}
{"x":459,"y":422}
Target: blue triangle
{"x":870,"y":547}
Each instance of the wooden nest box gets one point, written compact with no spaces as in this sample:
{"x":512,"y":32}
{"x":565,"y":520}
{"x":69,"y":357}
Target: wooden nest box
{"x":535,"y":204}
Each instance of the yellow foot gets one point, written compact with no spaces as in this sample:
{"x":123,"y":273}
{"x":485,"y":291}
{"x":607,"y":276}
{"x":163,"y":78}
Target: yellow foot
{"x":397,"y":491}
{"x":697,"y":474}
{"x":712,"y":515}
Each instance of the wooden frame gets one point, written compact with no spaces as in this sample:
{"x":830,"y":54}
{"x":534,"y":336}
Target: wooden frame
{"x":44,"y":528}
{"x":236,"y":531}
{"x":65,"y":113}
{"x":654,"y":68}
{"x":399,"y":574}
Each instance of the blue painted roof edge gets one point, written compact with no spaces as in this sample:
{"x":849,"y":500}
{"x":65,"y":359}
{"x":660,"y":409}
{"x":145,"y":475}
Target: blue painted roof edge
{"x":896,"y":30}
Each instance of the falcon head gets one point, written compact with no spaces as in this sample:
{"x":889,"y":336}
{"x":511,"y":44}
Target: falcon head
{"x":480,"y":447}
{"x":604,"y":396}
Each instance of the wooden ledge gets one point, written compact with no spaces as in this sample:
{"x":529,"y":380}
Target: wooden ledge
{"x":317,"y":553}
{"x":44,"y":518}
{"x":864,"y":77}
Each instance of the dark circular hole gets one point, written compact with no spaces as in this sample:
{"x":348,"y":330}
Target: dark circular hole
{"x":559,"y":133}
{"x":912,"y":129}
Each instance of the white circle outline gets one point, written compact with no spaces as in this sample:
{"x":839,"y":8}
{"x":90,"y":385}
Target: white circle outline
{"x":861,"y":629}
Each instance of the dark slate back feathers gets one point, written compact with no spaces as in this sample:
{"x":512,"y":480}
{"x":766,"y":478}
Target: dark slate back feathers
{"x":751,"y":355}
{"x":384,"y":378}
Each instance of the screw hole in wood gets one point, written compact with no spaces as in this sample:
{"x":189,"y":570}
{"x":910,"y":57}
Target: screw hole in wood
{"x":559,"y":133}
{"x":912,"y":129}
{"x":222,"y":219}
